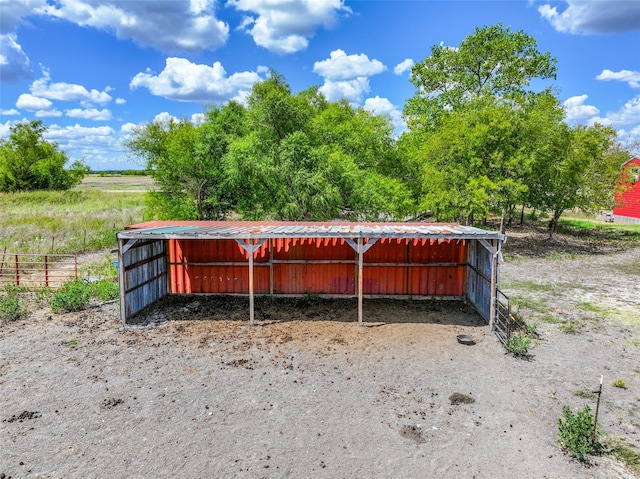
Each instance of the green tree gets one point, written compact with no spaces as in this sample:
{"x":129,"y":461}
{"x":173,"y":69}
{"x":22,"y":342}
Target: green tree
{"x":474,"y":162}
{"x":187,"y":163}
{"x":29,"y":162}
{"x":493,"y":61}
{"x":579,"y":169}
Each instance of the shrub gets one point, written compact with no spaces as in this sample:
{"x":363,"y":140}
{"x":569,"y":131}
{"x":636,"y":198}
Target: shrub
{"x":10,"y":307}
{"x":518,"y":346}
{"x":73,"y":296}
{"x":106,"y":290}
{"x":619,"y":383}
{"x":576,"y":433}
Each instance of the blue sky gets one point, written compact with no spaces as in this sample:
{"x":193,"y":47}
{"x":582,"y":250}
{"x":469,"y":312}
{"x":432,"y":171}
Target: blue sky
{"x":92,"y":70}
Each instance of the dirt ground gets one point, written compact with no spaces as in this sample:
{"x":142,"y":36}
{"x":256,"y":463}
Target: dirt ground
{"x":193,"y":391}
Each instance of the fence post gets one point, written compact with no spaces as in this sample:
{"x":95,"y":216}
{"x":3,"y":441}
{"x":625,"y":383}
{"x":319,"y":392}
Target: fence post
{"x":17,"y":272}
{"x":46,"y":272}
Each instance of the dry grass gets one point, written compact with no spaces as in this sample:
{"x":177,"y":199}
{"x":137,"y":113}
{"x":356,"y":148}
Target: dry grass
{"x":65,"y":221}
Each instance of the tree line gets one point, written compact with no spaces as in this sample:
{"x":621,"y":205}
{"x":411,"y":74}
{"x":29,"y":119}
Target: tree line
{"x":479,"y":143}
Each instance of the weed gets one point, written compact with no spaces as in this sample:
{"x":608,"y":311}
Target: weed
{"x":619,"y":383}
{"x":584,"y":393}
{"x":73,"y":296}
{"x":10,"y":307}
{"x":73,"y":342}
{"x":527,"y":329}
{"x":576,"y":434}
{"x":518,"y":346}
{"x":572,"y":327}
{"x":624,"y":452}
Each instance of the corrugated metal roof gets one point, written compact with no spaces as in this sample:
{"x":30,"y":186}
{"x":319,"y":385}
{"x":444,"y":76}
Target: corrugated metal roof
{"x":291,"y":229}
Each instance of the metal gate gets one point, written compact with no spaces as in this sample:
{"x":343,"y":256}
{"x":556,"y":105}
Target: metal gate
{"x":502,"y":323}
{"x":37,"y":270}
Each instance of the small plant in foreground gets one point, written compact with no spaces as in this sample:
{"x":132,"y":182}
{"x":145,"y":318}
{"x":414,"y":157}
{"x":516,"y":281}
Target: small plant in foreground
{"x":518,"y":346}
{"x":73,"y":296}
{"x":619,"y":383}
{"x":10,"y":307}
{"x":576,"y":433}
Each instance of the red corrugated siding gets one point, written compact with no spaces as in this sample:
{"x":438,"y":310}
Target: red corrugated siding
{"x":629,"y":202}
{"x":385,"y":269}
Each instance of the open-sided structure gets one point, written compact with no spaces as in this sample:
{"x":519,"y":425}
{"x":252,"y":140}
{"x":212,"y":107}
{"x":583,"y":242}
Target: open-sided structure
{"x":417,"y":260}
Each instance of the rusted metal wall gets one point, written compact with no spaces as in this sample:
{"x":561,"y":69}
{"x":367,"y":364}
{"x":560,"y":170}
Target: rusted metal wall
{"x":319,"y":265}
{"x":143,"y":275}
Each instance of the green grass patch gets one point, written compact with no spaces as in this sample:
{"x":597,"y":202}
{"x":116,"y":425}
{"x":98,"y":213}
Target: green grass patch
{"x":528,"y":285}
{"x":537,"y":305}
{"x":572,"y":327}
{"x":72,"y":221}
{"x":551,"y":319}
{"x":600,"y":229}
{"x":624,"y":452}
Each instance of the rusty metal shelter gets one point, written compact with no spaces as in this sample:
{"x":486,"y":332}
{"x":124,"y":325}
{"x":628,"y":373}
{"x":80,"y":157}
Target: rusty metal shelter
{"x":417,"y":260}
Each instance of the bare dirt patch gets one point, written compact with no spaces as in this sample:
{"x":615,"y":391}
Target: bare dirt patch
{"x":192,"y":390}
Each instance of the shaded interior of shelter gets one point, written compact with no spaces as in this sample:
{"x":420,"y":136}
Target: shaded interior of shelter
{"x":275,"y":309}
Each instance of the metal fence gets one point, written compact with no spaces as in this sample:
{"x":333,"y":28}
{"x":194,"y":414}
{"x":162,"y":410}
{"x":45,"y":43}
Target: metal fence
{"x":37,"y":270}
{"x":503,"y":317}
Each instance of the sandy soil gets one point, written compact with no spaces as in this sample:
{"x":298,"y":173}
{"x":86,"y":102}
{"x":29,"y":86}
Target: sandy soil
{"x":193,"y":391}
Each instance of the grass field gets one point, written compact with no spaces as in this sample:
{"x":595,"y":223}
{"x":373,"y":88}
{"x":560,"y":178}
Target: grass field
{"x":84,"y":219}
{"x":116,"y":183}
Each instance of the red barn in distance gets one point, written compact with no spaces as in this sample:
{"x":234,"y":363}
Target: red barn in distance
{"x":627,"y":204}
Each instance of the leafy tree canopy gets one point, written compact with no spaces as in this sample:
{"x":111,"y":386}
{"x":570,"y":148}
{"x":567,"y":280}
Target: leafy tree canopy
{"x":284,"y":155}
{"x":493,"y":61}
{"x":28,"y":162}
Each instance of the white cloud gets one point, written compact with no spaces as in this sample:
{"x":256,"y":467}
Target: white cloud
{"x":347,"y":76}
{"x":382,"y":106}
{"x":164,"y":117}
{"x":286,"y":26}
{"x":575,"y":108}
{"x":185,"y":81}
{"x":90,"y":114}
{"x":128,"y":128}
{"x":628,"y":114}
{"x":594,"y":17}
{"x":340,"y":66}
{"x":82,"y":140}
{"x":14,"y":63}
{"x":627,"y":76}
{"x":120,"y":101}
{"x":44,"y":88}
{"x":48,"y":113}
{"x":198,"y":118}
{"x":403,"y":66}
{"x":11,"y":112}
{"x":185,"y":26}
{"x":30,"y":102}
{"x":352,"y":90}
